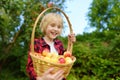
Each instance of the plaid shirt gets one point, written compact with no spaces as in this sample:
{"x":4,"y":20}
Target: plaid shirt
{"x":39,"y":46}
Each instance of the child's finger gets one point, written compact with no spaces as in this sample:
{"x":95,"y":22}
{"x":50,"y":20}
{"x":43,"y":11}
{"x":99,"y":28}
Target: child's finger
{"x":58,"y":74}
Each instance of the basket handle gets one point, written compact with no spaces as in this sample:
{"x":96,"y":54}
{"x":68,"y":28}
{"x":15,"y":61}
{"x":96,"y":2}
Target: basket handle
{"x":70,"y":46}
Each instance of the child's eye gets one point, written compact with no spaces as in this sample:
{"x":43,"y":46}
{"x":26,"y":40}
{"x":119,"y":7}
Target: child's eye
{"x":53,"y":25}
{"x":59,"y":26}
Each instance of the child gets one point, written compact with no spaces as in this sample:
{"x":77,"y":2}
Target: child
{"x":51,"y":27}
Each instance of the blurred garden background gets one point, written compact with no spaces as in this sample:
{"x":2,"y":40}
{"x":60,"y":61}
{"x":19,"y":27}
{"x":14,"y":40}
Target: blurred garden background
{"x":97,"y":52}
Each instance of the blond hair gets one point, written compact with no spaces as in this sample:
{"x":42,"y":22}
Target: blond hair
{"x":49,"y":18}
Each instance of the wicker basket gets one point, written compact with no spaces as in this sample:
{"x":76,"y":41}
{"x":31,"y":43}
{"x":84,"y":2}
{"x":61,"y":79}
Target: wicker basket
{"x":40,"y":65}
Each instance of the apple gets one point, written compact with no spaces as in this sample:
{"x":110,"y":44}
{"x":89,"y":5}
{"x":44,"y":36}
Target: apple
{"x":67,"y":54}
{"x":49,"y":55}
{"x":54,"y":60}
{"x":45,"y":52}
{"x":68,"y":59}
{"x":54,"y":55}
{"x":61,"y":60}
{"x":50,"y":4}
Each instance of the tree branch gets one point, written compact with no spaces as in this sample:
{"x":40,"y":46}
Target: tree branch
{"x":13,"y":41}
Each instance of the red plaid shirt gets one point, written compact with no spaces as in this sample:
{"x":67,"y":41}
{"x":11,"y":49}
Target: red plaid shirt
{"x":39,"y":46}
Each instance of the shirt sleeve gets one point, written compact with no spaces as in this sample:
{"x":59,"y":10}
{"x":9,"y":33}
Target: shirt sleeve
{"x":30,"y":69}
{"x":29,"y":66}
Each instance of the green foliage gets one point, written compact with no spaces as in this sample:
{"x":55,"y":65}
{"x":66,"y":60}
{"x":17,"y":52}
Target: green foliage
{"x":104,"y":15}
{"x":95,"y":60}
{"x":16,"y":22}
{"x":97,"y":53}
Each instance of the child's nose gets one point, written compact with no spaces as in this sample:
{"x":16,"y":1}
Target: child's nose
{"x":55,"y":28}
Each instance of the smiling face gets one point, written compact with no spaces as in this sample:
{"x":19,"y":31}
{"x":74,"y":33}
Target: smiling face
{"x":53,"y":30}
{"x":51,"y":25}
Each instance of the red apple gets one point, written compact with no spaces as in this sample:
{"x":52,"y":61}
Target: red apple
{"x":50,"y":4}
{"x":67,"y":54}
{"x":61,"y":60}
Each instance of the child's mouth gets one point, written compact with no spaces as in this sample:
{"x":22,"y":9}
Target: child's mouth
{"x":54,"y":33}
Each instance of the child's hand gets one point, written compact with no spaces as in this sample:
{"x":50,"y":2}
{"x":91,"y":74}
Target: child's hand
{"x":71,"y":38}
{"x":48,"y":76}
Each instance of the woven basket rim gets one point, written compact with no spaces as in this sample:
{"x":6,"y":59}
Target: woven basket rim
{"x":57,"y":64}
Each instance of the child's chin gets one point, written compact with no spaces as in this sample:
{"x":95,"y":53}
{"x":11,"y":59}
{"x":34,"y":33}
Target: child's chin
{"x":54,"y":37}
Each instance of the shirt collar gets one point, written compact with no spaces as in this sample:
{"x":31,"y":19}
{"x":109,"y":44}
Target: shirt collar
{"x":44,"y":43}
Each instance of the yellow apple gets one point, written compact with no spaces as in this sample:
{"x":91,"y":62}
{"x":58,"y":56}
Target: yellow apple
{"x":68,"y":60}
{"x":54,"y":60}
{"x":45,"y":52}
{"x":49,"y":55}
{"x":54,"y":55}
